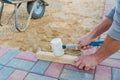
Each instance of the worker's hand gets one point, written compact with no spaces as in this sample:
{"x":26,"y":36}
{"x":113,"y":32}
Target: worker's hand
{"x":86,"y":62}
{"x":83,"y":43}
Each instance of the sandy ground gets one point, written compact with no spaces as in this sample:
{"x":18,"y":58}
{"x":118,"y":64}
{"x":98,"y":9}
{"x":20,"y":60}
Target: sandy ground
{"x":66,"y":19}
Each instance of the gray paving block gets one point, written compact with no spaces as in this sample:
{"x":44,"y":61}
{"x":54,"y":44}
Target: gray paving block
{"x":5,"y":73}
{"x":74,"y":75}
{"x":40,"y":67}
{"x":115,"y":55}
{"x":21,"y":64}
{"x":115,"y":74}
{"x":1,"y":67}
{"x":32,"y":76}
{"x":8,"y":56}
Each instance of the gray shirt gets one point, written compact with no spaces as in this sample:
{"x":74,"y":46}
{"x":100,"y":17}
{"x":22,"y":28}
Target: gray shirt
{"x":114,"y":15}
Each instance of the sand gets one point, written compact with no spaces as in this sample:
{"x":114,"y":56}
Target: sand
{"x":66,"y":19}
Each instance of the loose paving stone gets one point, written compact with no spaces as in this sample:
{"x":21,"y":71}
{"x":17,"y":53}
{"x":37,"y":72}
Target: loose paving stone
{"x":5,"y":73}
{"x":8,"y":56}
{"x":54,"y":70}
{"x":40,"y":67}
{"x":18,"y":75}
{"x":21,"y":64}
{"x":103,"y":73}
{"x":27,"y":56}
{"x":74,"y":75}
{"x":32,"y":76}
{"x":116,"y":74}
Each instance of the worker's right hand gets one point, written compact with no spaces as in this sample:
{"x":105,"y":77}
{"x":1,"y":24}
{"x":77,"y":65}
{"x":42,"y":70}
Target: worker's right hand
{"x":83,"y":42}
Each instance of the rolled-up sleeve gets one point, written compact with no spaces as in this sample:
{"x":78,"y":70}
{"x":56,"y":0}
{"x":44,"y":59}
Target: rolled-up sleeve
{"x":111,"y":13}
{"x":114,"y":30}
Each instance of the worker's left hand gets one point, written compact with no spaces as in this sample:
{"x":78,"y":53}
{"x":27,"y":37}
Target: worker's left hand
{"x":86,"y":62}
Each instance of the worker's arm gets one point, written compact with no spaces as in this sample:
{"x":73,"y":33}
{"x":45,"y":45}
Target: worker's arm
{"x":101,"y":28}
{"x":109,"y":47}
{"x":104,"y":25}
{"x":98,"y":30}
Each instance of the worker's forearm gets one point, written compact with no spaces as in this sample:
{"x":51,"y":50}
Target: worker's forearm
{"x":109,"y":47}
{"x":100,"y":28}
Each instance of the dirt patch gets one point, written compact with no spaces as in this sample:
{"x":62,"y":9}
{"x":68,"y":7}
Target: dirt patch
{"x":66,"y":19}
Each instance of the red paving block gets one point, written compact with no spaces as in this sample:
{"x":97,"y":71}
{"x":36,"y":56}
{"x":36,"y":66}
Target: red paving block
{"x":70,"y":67}
{"x":89,"y":51}
{"x":54,"y":70}
{"x":18,"y":75}
{"x":3,"y":51}
{"x":27,"y":56}
{"x":111,"y":63}
{"x":103,"y":73}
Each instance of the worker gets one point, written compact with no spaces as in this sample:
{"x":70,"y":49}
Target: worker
{"x":111,"y":44}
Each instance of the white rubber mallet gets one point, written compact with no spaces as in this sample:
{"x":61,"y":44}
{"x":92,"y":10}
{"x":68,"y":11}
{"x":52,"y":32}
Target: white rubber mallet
{"x":58,"y":47}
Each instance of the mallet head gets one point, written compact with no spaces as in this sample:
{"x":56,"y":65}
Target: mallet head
{"x":57,"y":48}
